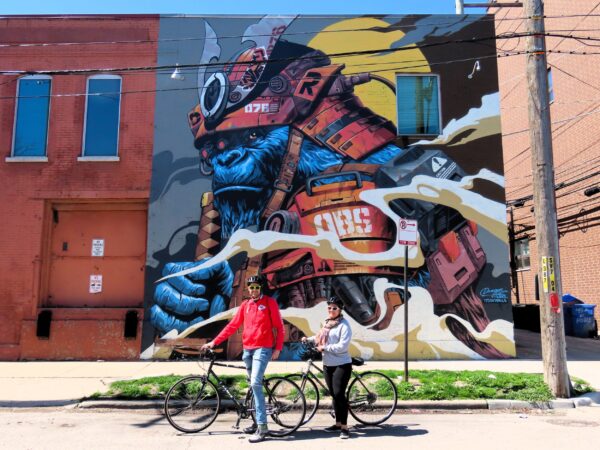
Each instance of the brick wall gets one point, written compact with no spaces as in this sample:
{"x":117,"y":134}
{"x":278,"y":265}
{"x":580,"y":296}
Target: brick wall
{"x":575,"y":114}
{"x":25,"y":188}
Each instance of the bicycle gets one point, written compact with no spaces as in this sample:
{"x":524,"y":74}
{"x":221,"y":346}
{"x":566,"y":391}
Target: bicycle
{"x":193,"y":403}
{"x":372,"y":396}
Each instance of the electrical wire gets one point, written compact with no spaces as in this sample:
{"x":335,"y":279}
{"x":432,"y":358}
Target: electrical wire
{"x":330,"y":55}
{"x":390,"y":28}
{"x":260,"y":82}
{"x":556,"y":188}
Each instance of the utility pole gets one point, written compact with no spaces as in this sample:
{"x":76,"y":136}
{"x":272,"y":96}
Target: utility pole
{"x":554,"y":351}
{"x":511,"y":252}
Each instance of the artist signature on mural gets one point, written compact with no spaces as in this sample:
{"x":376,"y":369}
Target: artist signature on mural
{"x":498,"y":295}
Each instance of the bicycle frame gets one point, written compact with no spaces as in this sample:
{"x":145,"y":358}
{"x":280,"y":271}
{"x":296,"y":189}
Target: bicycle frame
{"x":240,"y":407}
{"x":307,"y":372}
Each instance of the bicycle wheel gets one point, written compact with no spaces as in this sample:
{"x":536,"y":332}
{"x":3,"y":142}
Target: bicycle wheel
{"x":285,"y":404}
{"x":192,"y":404}
{"x":372,"y":398}
{"x":311,"y":394}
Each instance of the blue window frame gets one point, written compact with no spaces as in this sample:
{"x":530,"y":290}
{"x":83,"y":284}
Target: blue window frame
{"x":31,"y":116}
{"x":418,"y":104}
{"x":102,"y":111}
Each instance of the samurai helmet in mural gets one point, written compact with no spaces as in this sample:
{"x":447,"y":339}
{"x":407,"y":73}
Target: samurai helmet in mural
{"x":274,"y":82}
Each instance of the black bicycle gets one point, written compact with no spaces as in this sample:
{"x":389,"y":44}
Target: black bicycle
{"x":194,"y":402}
{"x":372,"y":396}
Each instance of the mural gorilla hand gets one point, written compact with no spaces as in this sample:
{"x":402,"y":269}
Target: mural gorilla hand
{"x":185,"y":300}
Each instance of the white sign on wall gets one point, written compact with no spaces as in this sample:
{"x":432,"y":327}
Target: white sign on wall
{"x":97,"y":247}
{"x":407,"y":232}
{"x":95,"y":284}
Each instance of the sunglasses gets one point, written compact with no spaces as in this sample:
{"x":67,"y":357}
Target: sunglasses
{"x":254,"y":288}
{"x":333,"y":308}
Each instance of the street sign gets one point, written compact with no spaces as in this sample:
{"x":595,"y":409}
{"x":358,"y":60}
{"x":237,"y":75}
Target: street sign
{"x":407,"y":232}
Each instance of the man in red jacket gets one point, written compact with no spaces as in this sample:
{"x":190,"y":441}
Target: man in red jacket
{"x":262,"y":340}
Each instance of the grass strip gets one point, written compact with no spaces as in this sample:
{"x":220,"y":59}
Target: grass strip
{"x":422,"y":385}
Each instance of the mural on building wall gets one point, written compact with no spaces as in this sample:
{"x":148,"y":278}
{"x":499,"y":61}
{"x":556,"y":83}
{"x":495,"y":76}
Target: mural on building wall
{"x":294,"y":170}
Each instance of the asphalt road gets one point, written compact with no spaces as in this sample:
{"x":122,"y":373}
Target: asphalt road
{"x":60,"y":428}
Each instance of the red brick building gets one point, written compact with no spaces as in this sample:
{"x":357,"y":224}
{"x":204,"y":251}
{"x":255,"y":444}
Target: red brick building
{"x":73,"y":187}
{"x":575,"y":115}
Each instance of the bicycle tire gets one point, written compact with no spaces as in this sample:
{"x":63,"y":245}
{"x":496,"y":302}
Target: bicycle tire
{"x":285,"y":404}
{"x":192,"y":404}
{"x":368,"y":396}
{"x":311,"y":393}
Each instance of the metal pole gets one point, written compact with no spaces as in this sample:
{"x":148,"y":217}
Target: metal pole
{"x":460,"y":8}
{"x":406,"y":313}
{"x":554,"y":352}
{"x":513,"y":262}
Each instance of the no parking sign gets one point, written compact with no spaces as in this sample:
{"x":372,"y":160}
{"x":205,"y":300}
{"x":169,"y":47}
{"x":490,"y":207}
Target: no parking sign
{"x":407,"y":232}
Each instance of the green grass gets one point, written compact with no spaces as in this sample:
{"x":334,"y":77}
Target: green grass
{"x":422,"y":385}
{"x":157,"y":387}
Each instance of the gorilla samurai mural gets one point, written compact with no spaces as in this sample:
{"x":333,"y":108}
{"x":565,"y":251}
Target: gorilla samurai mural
{"x":301,"y":177}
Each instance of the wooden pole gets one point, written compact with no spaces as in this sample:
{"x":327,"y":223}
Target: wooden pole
{"x":554,"y":352}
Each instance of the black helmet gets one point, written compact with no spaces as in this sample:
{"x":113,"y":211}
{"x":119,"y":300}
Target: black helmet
{"x":336,"y":301}
{"x":254,"y":279}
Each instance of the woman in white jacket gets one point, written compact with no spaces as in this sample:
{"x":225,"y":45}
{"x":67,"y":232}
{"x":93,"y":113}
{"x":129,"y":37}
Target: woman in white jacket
{"x":333,"y":341}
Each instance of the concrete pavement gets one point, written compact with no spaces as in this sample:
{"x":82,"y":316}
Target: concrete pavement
{"x":49,"y":383}
{"x":61,"y":428}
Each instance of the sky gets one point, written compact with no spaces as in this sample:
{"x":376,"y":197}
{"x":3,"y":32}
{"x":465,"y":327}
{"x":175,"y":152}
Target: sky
{"x":10,"y":7}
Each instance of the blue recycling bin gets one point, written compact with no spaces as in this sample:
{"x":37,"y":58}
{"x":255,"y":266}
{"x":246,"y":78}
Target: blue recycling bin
{"x":568,"y":302}
{"x":583,"y":321}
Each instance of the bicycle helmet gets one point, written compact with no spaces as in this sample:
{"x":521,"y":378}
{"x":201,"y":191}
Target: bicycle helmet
{"x":254,"y":279}
{"x":335,"y":301}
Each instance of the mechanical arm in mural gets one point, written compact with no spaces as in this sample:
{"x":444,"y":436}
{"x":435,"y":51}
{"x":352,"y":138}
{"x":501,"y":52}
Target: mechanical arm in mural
{"x":291,"y":148}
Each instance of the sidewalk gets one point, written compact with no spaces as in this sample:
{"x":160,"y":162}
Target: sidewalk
{"x":48,"y":383}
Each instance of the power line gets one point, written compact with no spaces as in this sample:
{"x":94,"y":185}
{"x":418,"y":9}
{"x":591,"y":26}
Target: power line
{"x":557,"y":102}
{"x":556,"y":188}
{"x":330,"y":55}
{"x":554,"y":122}
{"x":391,"y":27}
{"x":563,"y":128}
{"x":568,"y":169}
{"x":194,"y":88}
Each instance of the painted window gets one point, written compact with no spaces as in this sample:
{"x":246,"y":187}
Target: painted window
{"x":522,"y":254}
{"x":550,"y":85}
{"x":31,"y":116}
{"x":418,"y":104}
{"x":102,"y":110}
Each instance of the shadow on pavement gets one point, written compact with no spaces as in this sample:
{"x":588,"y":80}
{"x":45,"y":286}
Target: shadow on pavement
{"x":36,"y":403}
{"x":357,"y":431}
{"x":529,"y":346}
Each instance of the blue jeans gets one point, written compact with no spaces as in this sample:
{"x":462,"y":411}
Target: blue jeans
{"x":256,"y":361}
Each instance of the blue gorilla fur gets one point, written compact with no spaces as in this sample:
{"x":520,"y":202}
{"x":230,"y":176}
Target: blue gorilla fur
{"x":243,"y":183}
{"x":247,"y":173}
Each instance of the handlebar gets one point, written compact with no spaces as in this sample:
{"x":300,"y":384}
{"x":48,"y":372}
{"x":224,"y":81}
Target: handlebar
{"x":207,"y":354}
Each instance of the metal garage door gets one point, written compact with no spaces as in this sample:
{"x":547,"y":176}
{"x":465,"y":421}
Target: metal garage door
{"x":97,"y":255}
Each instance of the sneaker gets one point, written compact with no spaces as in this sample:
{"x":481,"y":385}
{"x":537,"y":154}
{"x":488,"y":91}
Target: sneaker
{"x":344,"y":433}
{"x":260,"y":435}
{"x":332,"y":429}
{"x":251,"y":429}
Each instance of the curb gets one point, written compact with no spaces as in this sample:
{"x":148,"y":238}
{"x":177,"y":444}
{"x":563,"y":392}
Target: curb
{"x":39,"y":403}
{"x":447,"y":405}
{"x":591,"y":399}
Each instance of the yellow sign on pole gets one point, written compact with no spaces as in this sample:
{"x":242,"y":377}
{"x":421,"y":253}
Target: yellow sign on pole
{"x":551,"y":274}
{"x":548,"y":276}
{"x":545,"y":273}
